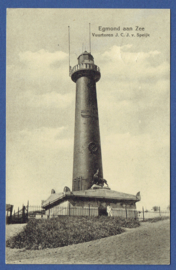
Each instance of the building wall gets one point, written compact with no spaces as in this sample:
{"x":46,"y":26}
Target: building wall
{"x":97,"y":203}
{"x":91,"y":208}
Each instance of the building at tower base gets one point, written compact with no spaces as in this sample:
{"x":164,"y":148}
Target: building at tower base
{"x":91,"y":202}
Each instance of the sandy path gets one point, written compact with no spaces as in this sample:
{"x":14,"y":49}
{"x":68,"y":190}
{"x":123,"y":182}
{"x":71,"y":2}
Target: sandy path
{"x":147,"y":244}
{"x":13,"y":229}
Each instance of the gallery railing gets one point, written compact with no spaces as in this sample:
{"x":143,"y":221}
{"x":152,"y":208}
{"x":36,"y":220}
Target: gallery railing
{"x":84,"y":66}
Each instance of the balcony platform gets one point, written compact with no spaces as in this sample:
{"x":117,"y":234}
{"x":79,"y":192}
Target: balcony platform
{"x":85,"y":69}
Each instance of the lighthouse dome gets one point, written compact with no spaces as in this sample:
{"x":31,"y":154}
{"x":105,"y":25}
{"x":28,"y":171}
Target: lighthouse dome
{"x":85,"y":57}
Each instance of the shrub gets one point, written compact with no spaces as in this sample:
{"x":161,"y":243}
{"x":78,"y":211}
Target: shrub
{"x":155,"y":219}
{"x":68,"y":230}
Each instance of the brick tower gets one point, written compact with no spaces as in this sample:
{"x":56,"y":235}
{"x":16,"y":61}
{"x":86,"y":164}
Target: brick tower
{"x":87,"y":148}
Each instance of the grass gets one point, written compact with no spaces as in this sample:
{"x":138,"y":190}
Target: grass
{"x":65,"y":230}
{"x":155,"y":219}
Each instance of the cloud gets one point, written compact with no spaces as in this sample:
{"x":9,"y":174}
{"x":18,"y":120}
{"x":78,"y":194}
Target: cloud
{"x":126,"y":54}
{"x":37,"y":160}
{"x":42,"y":139}
{"x":47,"y":100}
{"x":39,"y":90}
{"x":137,"y":163}
{"x":122,"y":64}
{"x":133,"y":93}
{"x":42,"y":58}
{"x":40,"y":71}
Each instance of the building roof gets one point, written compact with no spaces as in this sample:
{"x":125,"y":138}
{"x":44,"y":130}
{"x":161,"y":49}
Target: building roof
{"x":9,"y":207}
{"x":90,"y":194}
{"x":85,"y":53}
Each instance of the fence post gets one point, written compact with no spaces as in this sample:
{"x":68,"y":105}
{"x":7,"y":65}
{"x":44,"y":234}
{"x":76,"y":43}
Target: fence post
{"x":126,"y":211}
{"x":23,"y":214}
{"x":27,"y":209}
{"x":11,"y":213}
{"x":143,"y":212}
{"x":159,"y":211}
{"x":69,"y":209}
{"x":89,"y":210}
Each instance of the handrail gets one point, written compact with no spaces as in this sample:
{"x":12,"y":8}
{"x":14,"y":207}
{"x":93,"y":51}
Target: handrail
{"x":84,"y":66}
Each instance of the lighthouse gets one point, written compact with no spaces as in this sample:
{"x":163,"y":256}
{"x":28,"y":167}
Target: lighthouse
{"x":89,"y":194}
{"x":87,"y":147}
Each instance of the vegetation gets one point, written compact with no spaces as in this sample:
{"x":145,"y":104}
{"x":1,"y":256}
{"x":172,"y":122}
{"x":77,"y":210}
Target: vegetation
{"x":155,"y":208}
{"x":155,"y":219}
{"x":67,"y":230}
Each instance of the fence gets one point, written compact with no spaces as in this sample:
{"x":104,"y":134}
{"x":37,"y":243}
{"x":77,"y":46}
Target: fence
{"x":37,"y":212}
{"x":72,"y":211}
{"x":9,"y":209}
{"x":25,"y":213}
{"x":21,"y":216}
{"x":94,"y":211}
{"x":126,"y":213}
{"x":142,"y":215}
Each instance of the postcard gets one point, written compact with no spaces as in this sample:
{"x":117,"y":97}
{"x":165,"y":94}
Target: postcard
{"x":88,"y":136}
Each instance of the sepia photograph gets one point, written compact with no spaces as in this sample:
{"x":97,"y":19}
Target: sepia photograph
{"x":88,"y":136}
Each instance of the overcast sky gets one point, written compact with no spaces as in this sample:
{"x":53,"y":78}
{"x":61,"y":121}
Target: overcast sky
{"x":133,"y":101}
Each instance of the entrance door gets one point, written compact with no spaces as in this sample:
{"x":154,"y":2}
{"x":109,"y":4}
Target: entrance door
{"x":102,"y":211}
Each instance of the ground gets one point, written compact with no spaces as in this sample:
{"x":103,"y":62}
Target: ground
{"x":13,"y":229}
{"x":147,"y":244}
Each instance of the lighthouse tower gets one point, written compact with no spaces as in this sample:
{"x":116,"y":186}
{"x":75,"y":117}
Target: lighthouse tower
{"x":87,"y":147}
{"x":89,"y":196}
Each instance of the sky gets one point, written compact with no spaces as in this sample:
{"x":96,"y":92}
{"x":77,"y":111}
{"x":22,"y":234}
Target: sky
{"x":133,"y":101}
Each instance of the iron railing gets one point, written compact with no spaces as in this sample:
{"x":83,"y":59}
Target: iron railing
{"x":28,"y":212}
{"x":84,"y":66}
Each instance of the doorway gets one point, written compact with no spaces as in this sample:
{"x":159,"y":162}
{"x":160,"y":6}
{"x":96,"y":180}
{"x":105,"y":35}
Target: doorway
{"x":102,"y":211}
